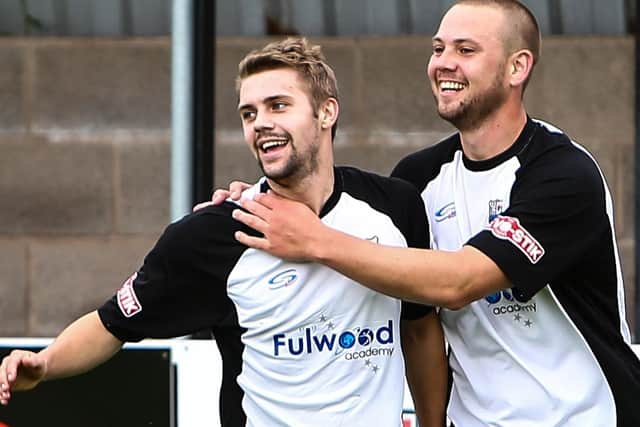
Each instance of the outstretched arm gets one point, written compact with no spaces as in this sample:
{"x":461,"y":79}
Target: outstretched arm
{"x":446,"y":279}
{"x":426,"y":365}
{"x":83,"y":345}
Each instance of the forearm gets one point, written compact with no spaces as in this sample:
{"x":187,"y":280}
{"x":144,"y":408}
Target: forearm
{"x":426,"y":367}
{"x":293,"y":231}
{"x":446,"y":279}
{"x":83,"y":345}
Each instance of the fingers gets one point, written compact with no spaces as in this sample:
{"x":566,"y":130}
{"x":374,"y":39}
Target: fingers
{"x":251,"y":241}
{"x":9,"y":372}
{"x":236,"y":188}
{"x":203,"y":205}
{"x":250,"y":220}
{"x":257,"y":209}
{"x":9,"y":368}
{"x":5,"y":395}
{"x":217,"y":198}
{"x":220,"y":195}
{"x":269,"y":199}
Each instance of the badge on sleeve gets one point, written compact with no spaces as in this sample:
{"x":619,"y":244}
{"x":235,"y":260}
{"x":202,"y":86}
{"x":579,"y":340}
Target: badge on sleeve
{"x":127,"y":299}
{"x":509,"y":228}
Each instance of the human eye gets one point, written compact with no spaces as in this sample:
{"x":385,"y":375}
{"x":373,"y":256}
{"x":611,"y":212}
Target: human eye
{"x":437,"y":49}
{"x":247,"y":115}
{"x":279,"y":105}
{"x":466,"y":50}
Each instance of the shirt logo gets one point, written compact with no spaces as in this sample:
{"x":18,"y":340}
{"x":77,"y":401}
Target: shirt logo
{"x":358,"y":340}
{"x":495,"y":208}
{"x":282,"y":279}
{"x":513,"y":304}
{"x":127,"y":299}
{"x":446,"y":212}
{"x":509,"y":228}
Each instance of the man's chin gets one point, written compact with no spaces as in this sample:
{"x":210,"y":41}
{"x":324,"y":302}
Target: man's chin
{"x":277,"y":175}
{"x":452,"y":116}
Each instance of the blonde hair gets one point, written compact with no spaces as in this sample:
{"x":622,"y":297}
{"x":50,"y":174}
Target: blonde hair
{"x":295,"y":53}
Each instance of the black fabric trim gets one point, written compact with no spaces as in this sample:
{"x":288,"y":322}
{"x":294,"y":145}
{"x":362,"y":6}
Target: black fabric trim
{"x":516,"y":148}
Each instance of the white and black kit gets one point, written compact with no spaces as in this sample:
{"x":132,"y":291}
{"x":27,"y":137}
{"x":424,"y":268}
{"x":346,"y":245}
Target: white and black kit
{"x":553,"y":350}
{"x":301,"y":344}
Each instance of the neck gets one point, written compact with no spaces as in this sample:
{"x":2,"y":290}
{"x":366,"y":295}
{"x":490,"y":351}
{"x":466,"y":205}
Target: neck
{"x":495,"y":134}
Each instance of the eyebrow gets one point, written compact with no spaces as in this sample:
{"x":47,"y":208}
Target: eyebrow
{"x":455,"y":41}
{"x":266,"y":100}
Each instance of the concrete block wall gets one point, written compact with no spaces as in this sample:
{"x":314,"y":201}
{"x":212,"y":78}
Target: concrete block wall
{"x":85,"y":132}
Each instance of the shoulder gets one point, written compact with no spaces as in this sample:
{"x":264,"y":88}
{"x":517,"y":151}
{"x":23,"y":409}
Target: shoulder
{"x":552,"y":154}
{"x":369,"y":185}
{"x":423,"y":165}
{"x":395,"y":198}
{"x":558,"y":172}
{"x":212,"y":223}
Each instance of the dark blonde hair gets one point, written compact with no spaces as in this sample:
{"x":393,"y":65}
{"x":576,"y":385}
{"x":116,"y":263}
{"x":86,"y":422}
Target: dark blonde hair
{"x":295,"y":53}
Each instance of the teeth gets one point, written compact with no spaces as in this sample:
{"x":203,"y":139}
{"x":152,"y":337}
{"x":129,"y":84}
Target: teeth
{"x":271,"y":144}
{"x":448,"y":85}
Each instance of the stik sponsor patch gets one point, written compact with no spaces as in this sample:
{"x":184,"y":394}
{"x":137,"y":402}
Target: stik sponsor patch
{"x":508,"y":228}
{"x":127,"y":299}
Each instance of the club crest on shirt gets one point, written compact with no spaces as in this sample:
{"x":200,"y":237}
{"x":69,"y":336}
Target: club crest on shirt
{"x":496,"y":207}
{"x":127,"y":299}
{"x":509,"y":228}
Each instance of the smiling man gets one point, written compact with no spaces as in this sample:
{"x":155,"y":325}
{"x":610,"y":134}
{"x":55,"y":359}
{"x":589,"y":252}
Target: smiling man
{"x":301,"y":344}
{"x":527,"y":272}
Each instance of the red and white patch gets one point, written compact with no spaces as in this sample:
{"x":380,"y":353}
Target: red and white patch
{"x":508,"y":228}
{"x":127,"y":299}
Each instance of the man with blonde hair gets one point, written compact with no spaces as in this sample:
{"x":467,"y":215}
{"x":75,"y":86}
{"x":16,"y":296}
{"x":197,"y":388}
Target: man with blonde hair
{"x":301,"y":344}
{"x":525,"y":266}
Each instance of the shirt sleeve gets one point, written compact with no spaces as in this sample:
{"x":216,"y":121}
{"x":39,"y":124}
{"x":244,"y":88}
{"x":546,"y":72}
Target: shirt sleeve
{"x":181,"y":286}
{"x":557,"y":209}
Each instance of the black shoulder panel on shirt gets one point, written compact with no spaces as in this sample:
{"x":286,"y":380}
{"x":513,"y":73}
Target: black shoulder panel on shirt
{"x":181,"y":286}
{"x":421,"y":167}
{"x":396,"y":198}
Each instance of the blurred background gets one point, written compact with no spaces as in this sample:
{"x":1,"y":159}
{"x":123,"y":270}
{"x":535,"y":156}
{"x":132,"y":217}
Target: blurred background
{"x":91,"y":109}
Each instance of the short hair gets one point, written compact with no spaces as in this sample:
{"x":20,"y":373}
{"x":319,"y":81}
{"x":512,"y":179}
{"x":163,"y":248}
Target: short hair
{"x":297,"y":54}
{"x":523,"y":32}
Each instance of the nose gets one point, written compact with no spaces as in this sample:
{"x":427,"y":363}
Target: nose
{"x":444,"y":60}
{"x":262,"y":122}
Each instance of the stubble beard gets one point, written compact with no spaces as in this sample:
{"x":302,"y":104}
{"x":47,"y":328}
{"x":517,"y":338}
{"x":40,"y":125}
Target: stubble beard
{"x":470,"y":113}
{"x":297,"y":167}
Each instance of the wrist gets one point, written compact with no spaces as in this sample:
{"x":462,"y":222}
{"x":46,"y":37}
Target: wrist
{"x":321,"y":245}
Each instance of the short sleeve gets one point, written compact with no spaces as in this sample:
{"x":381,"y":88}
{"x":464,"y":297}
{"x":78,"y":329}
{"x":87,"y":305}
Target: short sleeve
{"x":181,"y":286}
{"x":557,"y":210}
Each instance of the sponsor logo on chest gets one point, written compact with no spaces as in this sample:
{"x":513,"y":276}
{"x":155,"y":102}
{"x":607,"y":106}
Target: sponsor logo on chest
{"x":446,"y":212}
{"x":511,"y":303}
{"x":283,"y":279}
{"x":353,"y":344}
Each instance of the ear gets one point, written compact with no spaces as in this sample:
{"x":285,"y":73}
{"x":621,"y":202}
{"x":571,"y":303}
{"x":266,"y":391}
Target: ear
{"x":328,"y":114}
{"x":521,"y":63}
